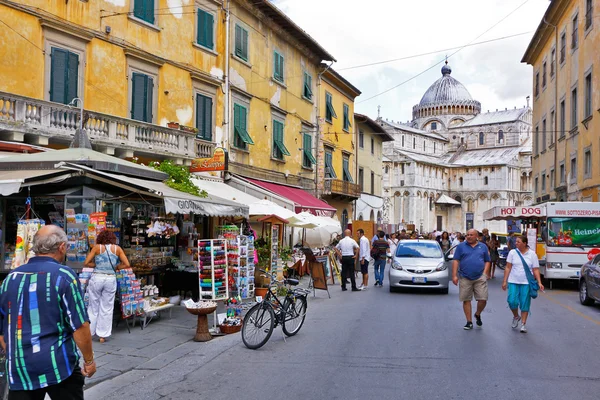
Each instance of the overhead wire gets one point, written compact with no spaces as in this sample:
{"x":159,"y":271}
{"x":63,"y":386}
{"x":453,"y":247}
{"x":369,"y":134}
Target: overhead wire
{"x":447,"y":57}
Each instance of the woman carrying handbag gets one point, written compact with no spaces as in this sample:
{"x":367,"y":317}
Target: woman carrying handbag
{"x":106,"y":257}
{"x":521,"y":268}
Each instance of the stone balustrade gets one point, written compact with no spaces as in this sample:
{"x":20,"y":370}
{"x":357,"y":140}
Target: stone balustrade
{"x":42,"y":122}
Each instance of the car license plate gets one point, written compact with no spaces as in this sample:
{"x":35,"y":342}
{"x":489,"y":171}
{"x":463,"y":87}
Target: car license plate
{"x":419,"y":280}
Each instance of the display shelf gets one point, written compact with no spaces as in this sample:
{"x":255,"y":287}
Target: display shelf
{"x":213,"y":269}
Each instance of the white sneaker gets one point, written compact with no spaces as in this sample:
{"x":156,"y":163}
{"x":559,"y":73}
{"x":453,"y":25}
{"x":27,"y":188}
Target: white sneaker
{"x":523,"y":328}
{"x":515,"y":322}
{"x":362,"y":287}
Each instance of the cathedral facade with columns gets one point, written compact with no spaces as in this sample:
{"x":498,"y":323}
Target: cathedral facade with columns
{"x":452,"y":162}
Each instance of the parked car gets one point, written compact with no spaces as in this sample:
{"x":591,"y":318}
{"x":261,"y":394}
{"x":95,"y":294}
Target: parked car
{"x":589,"y":282}
{"x":419,"y":264}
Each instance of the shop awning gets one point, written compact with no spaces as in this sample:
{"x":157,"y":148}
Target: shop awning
{"x":221,"y":190}
{"x":12,"y":181}
{"x":175,"y":201}
{"x":303,"y":201}
{"x":500,"y":213}
{"x":260,"y":193}
{"x":447,"y":200}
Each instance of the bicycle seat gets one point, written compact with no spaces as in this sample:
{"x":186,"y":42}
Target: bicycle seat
{"x":291,"y":282}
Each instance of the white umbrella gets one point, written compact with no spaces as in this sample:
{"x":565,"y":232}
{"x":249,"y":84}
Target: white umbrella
{"x":303,"y":220}
{"x":266,"y":207}
{"x":324,"y":233}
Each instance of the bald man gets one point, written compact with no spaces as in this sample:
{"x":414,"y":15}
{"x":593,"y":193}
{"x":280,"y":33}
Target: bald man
{"x":347,"y":249}
{"x":471,"y":268}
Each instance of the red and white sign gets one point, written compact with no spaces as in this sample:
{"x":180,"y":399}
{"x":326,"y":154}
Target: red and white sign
{"x":522,"y":212}
{"x":593,"y":253}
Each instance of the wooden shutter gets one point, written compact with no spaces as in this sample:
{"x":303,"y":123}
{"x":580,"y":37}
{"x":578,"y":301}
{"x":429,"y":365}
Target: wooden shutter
{"x":72,"y":77}
{"x":208,"y":118}
{"x":276,"y":66}
{"x":236,"y":124}
{"x":139,"y":9}
{"x":201,"y":28}
{"x":205,"y":29}
{"x":58,"y":75}
{"x":138,"y":101}
{"x":149,"y":94}
{"x":209,"y":21}
{"x":238,"y":41}
{"x":149,"y":11}
{"x":204,"y":117}
{"x":245,"y":44}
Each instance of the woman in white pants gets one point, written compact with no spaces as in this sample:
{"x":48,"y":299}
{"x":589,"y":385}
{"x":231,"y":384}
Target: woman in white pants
{"x":106,"y":257}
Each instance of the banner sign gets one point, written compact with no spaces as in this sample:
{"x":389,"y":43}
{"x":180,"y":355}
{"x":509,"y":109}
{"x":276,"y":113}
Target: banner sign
{"x":218,"y":162}
{"x":501,"y":212}
{"x":574,"y":231}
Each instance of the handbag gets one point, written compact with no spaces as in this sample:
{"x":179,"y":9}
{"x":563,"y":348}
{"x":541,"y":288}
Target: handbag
{"x":533,"y":285}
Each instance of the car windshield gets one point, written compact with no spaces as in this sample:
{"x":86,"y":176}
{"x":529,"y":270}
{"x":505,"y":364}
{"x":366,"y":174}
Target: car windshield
{"x":418,"y":250}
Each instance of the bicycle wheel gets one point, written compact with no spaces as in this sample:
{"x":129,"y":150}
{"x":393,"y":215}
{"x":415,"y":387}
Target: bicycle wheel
{"x":295,"y":313}
{"x":258,"y":326}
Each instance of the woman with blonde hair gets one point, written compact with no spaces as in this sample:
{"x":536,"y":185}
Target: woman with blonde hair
{"x":106,"y":258}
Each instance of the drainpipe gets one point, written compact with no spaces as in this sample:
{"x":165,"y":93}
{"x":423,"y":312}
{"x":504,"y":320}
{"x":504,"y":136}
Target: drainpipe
{"x":226,"y":116}
{"x":318,"y":135}
{"x":555,"y":133}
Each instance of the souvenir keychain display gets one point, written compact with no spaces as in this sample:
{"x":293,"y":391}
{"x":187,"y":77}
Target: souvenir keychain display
{"x":26,"y":230}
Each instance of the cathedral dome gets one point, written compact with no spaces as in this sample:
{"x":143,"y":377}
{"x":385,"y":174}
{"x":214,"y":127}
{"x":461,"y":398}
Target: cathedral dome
{"x":445,"y":91}
{"x":446,"y":96}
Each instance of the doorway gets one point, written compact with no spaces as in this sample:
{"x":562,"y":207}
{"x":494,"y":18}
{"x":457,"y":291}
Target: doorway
{"x":439,"y":223}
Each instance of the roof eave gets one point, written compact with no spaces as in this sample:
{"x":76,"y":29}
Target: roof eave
{"x":544,"y":30}
{"x":378,"y":129}
{"x":287,"y":24}
{"x":339,"y":79}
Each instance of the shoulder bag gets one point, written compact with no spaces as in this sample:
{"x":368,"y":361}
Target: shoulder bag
{"x":533,"y":285}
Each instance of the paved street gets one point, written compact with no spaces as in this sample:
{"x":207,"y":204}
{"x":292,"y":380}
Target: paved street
{"x":376,"y":344}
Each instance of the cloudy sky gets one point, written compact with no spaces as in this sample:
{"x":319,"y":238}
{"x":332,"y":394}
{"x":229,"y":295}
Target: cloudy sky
{"x":356,"y":32}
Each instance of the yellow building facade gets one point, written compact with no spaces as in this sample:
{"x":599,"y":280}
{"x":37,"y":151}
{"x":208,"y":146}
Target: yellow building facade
{"x":337,"y":174}
{"x":136,"y":65}
{"x":273,"y":70}
{"x":566,"y":102}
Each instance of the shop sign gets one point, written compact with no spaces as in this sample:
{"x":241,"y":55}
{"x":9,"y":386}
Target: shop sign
{"x":316,"y":211}
{"x":181,"y":206}
{"x":218,"y":162}
{"x":520,"y":211}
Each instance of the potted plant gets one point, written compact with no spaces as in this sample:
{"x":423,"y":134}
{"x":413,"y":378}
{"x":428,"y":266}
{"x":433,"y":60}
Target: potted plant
{"x":190,"y":129}
{"x":173,"y":125}
{"x":263,"y":250}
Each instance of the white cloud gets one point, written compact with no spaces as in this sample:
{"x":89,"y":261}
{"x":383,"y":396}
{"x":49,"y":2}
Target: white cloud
{"x":357,"y":32}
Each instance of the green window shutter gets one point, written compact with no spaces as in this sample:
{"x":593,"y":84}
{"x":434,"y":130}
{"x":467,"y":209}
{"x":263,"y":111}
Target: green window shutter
{"x":144,"y":10}
{"x":210,"y":23}
{"x":278,"y":66}
{"x":346,"y":168}
{"x":346,"y":117}
{"x":329,"y":110}
{"x":308,"y":159}
{"x":148,"y":94}
{"x":236,"y":126}
{"x":244,"y":44}
{"x":205,"y":29}
{"x":329,"y":171}
{"x":139,"y":100}
{"x":307,"y":86}
{"x":149,"y":6}
{"x":72,"y":77}
{"x":58,"y":75}
{"x":279,"y":149}
{"x":238,"y":41}
{"x":242,"y":137}
{"x":204,"y":117}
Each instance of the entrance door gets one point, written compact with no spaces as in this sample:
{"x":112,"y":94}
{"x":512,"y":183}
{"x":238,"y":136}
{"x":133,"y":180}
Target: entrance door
{"x":439,"y":223}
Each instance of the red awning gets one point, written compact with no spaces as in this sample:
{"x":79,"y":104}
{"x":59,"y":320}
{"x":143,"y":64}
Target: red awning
{"x":303,"y":201}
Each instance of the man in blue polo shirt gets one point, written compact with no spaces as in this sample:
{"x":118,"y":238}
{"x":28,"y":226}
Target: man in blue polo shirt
{"x":472,"y":265}
{"x":42,"y":320}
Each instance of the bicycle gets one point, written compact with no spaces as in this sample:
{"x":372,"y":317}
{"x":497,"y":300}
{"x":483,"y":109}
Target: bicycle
{"x":262,"y":318}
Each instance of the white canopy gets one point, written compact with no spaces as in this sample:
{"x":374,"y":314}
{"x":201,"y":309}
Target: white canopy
{"x":266,"y":207}
{"x":447,"y":200}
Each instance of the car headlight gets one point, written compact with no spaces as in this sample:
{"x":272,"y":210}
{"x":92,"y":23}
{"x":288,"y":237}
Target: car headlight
{"x":396,"y":265}
{"x":441,"y":267}
{"x":554,"y":265}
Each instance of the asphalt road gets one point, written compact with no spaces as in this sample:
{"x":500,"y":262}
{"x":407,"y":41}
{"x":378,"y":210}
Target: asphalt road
{"x":381,"y":345}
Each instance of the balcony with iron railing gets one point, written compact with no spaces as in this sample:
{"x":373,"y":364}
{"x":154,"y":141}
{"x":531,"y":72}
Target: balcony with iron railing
{"x":342,"y":188}
{"x":24,"y":119}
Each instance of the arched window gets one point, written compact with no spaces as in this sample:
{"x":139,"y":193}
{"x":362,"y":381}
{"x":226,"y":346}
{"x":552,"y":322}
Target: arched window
{"x":387,"y":169}
{"x":430,"y":203}
{"x":500,"y":136}
{"x":344,"y":219}
{"x":378,"y":217}
{"x":470,"y":205}
{"x":433,"y":126}
{"x":460,"y":181}
{"x":485,"y":180}
{"x":360,"y":217}
{"x":372,"y":216}
{"x":457,"y":198}
{"x":481,"y":139}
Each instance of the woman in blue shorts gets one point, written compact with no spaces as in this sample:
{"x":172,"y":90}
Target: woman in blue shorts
{"x":515,"y":279}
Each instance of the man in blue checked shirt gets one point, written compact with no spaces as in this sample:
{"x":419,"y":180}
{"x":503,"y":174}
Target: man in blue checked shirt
{"x":42,"y":318}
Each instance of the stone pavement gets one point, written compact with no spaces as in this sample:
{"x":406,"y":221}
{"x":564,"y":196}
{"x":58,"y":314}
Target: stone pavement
{"x":163,"y":349}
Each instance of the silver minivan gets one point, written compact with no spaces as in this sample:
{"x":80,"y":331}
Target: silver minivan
{"x":419,"y":264}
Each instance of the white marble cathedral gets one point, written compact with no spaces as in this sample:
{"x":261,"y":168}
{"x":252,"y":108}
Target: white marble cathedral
{"x":453,"y":162}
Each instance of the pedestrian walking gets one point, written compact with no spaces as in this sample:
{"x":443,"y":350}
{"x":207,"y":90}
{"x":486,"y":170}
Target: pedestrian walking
{"x":515,"y":279}
{"x":347,"y":250}
{"x":445,"y":242}
{"x":472,"y":264}
{"x":42,"y":323}
{"x":106,"y":258}
{"x":376,"y":236}
{"x":380,"y":254}
{"x":493,"y":245}
{"x":512,"y":241}
{"x":364,"y":258}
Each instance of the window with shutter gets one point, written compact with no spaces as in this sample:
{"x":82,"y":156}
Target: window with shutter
{"x":204,"y":106}
{"x":329,"y":171}
{"x":307,"y":92}
{"x":278,"y":67}
{"x":144,"y":10}
{"x":347,"y":124}
{"x":241,"y":137}
{"x":205,"y":28}
{"x":346,"y":170}
{"x":142,"y":89}
{"x":279,"y":149}
{"x":64,"y":75}
{"x":308,"y":160}
{"x":241,"y":43}
{"x":329,"y":110}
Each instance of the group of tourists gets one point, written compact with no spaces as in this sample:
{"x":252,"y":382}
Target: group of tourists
{"x":44,"y":320}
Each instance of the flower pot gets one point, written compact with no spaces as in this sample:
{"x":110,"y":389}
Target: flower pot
{"x":259,"y":291}
{"x":173,"y":125}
